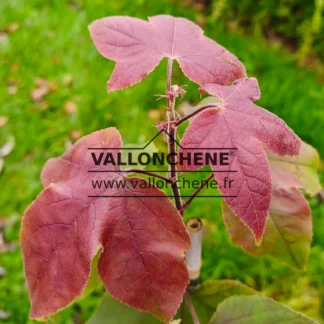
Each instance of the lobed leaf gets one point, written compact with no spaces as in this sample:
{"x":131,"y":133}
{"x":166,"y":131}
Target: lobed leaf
{"x":138,"y":46}
{"x":143,"y":239}
{"x":256,"y":310}
{"x":240,"y":124}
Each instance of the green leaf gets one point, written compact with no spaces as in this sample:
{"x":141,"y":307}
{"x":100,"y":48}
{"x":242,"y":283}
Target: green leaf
{"x":256,"y":310}
{"x":300,"y":172}
{"x":207,"y":296}
{"x":288,"y":232}
{"x":112,"y":311}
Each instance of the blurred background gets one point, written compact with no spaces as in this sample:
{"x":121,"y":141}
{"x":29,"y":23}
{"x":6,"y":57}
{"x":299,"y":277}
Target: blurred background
{"x":53,"y":91}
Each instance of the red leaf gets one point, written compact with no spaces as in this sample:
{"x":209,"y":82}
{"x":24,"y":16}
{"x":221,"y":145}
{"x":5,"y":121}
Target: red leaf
{"x":143,"y":239}
{"x":138,"y":46}
{"x":238,"y":123}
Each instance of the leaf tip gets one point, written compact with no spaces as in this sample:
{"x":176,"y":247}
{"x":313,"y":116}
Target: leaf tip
{"x":110,"y":87}
{"x":258,"y":236}
{"x":258,"y":241}
{"x":91,"y":28}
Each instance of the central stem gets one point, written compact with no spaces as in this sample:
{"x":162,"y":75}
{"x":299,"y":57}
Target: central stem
{"x":173,"y":164}
{"x":171,"y":140}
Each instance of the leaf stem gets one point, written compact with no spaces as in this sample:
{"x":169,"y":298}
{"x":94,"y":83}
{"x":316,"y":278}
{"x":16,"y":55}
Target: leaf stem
{"x":169,"y":80}
{"x":171,"y":140}
{"x":191,"y":308}
{"x":149,"y":173}
{"x":197,"y":111}
{"x":173,"y":172}
{"x":203,"y":184}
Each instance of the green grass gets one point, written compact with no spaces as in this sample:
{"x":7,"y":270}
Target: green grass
{"x":52,"y":42}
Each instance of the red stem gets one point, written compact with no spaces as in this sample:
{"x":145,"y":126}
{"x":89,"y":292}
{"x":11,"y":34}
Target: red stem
{"x":171,"y":140}
{"x":204,"y":183}
{"x":169,"y":78}
{"x":173,"y":172}
{"x":191,"y":309}
{"x":197,"y":111}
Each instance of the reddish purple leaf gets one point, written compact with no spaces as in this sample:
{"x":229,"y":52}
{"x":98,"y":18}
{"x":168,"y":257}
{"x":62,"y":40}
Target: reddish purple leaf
{"x":238,"y":123}
{"x":138,"y":46}
{"x":143,"y":239}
